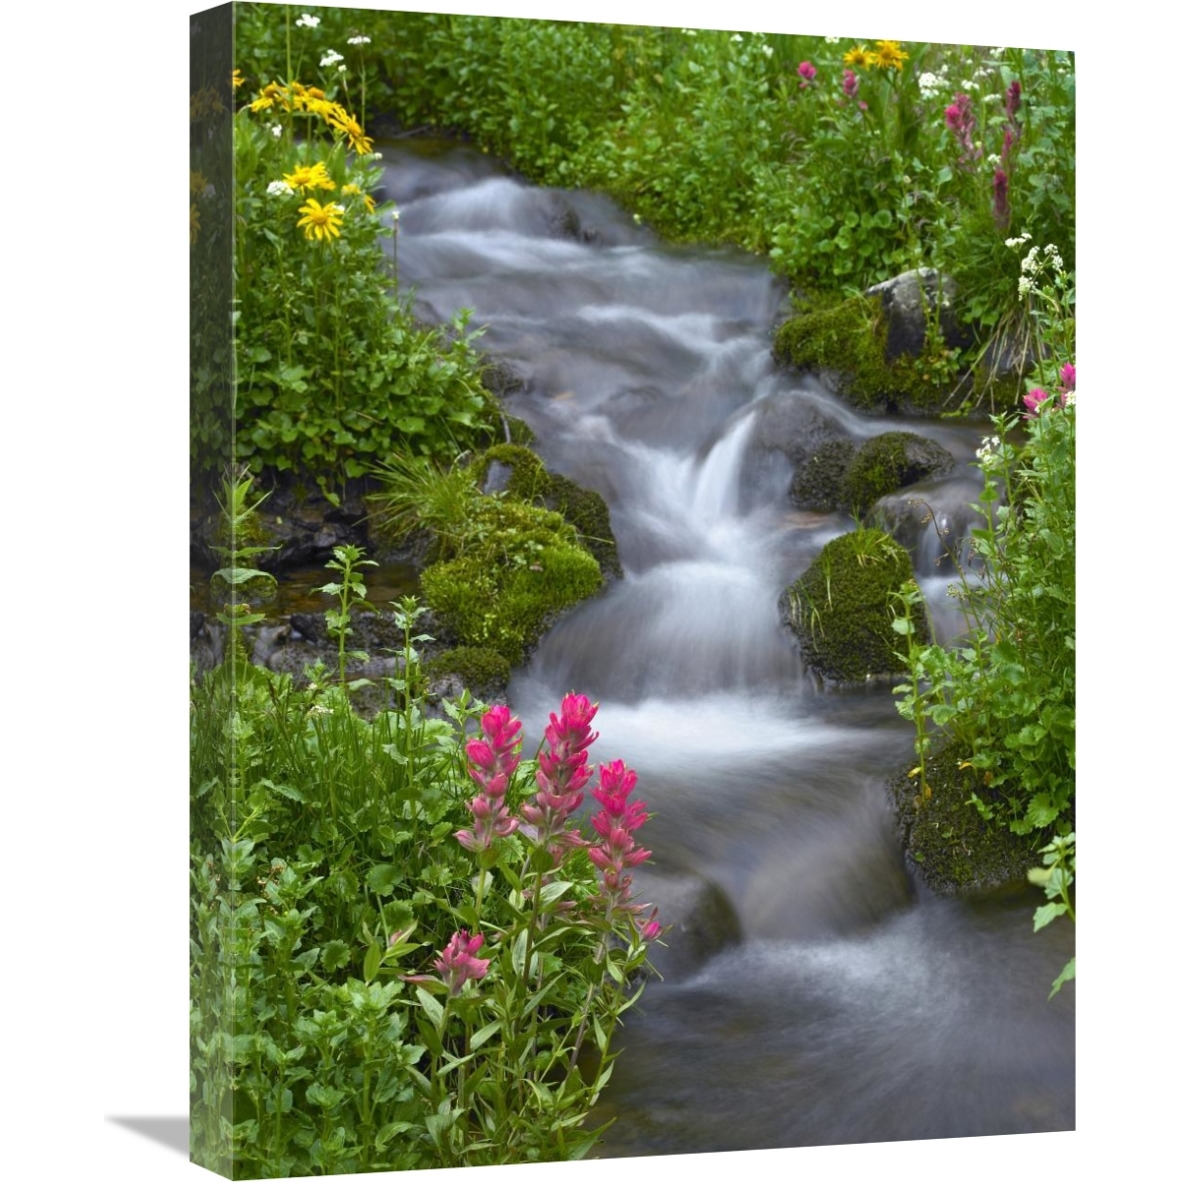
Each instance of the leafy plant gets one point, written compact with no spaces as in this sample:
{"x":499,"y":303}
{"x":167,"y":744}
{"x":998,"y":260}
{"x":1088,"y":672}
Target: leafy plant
{"x":1056,"y":876}
{"x":349,"y":589}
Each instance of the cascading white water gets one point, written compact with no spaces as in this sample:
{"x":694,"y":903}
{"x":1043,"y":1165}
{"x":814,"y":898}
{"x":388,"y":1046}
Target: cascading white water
{"x":852,"y":1010}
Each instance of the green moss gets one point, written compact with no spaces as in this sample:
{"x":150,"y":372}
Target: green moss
{"x":953,"y":847}
{"x":531,"y":482}
{"x":841,"y":607}
{"x":848,"y":339}
{"x":888,"y":462}
{"x":519,"y":566}
{"x":484,"y":671}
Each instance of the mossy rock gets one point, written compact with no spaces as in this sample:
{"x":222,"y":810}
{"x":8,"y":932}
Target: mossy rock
{"x":819,"y":482}
{"x":520,"y":566}
{"x":841,"y":607}
{"x":527,"y":479}
{"x":483,"y":670}
{"x":947,"y":840}
{"x":848,"y":342}
{"x":889,"y":462}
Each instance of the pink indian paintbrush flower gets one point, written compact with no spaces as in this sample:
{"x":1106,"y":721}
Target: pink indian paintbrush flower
{"x":1033,"y":400}
{"x":807,"y":72}
{"x":616,"y":852}
{"x":960,"y":120}
{"x":1067,"y":377}
{"x":456,"y":964}
{"x":561,"y":776}
{"x":491,"y":763}
{"x":849,"y":84}
{"x":1013,"y":99}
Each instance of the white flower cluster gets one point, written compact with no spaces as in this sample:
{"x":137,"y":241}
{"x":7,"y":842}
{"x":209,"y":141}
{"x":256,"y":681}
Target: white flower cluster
{"x":276,"y":129}
{"x":987,"y":452}
{"x":308,"y":21}
{"x":768,"y":51}
{"x":832,"y":40}
{"x":209,"y":192}
{"x":737,"y":37}
{"x":1019,"y":242}
{"x":330,"y":59}
{"x":279,"y":189}
{"x":359,"y":40}
{"x":929,"y":84}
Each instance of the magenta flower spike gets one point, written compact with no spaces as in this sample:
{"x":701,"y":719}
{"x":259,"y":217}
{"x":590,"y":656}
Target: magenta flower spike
{"x":1013,"y":98}
{"x":849,"y":84}
{"x":616,"y":852}
{"x":457,"y":963}
{"x":1067,"y":378}
{"x":491,"y":763}
{"x":562,"y":774}
{"x":807,"y":72}
{"x":1001,"y":198}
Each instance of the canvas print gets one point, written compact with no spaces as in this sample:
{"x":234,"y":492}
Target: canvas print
{"x":633,"y":590}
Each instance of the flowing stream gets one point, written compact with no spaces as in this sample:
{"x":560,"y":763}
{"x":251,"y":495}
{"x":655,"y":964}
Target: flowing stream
{"x":854,"y":1007}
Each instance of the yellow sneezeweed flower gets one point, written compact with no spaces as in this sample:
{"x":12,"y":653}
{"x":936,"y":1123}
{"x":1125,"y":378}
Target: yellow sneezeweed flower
{"x":358,"y":140}
{"x":194,"y":224}
{"x":197,"y":182}
{"x":268,"y":96}
{"x":321,"y":221}
{"x":322,"y":107}
{"x":236,"y":79}
{"x":858,"y":56}
{"x":355,"y":191}
{"x":309,"y":176}
{"x":890,"y":55}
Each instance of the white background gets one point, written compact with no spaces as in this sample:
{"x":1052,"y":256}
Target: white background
{"x":94,"y":445}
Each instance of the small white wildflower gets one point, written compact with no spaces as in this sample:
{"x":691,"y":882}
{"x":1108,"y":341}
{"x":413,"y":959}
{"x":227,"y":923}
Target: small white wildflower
{"x":342,"y":69}
{"x":279,"y":189}
{"x":1030,"y":262}
{"x":690,"y":32}
{"x":999,"y":53}
{"x":308,"y":21}
{"x":276,"y":129}
{"x":929,"y":83}
{"x":1025,"y":284}
{"x":987,"y":452}
{"x":993,"y":161}
{"x":636,"y":218}
{"x":768,"y":51}
{"x":1069,"y":398}
{"x":209,"y":192}
{"x":737,"y":37}
{"x":375,"y":155}
{"x":359,"y":40}
{"x":395,"y":215}
{"x":330,"y":59}
{"x":832,"y":40}
{"x":968,"y":84}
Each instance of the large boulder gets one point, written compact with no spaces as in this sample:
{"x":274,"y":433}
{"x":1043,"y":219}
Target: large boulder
{"x":842,"y":607}
{"x":909,"y":303}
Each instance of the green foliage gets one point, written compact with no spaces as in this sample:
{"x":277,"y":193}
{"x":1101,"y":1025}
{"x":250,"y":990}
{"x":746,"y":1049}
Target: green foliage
{"x":840,"y":608}
{"x":1056,"y":876}
{"x":325,"y":872}
{"x":349,"y":589}
{"x":1007,"y":692}
{"x":517,"y":566}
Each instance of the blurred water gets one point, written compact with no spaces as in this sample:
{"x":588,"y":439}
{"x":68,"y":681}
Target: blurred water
{"x":853,"y":1010}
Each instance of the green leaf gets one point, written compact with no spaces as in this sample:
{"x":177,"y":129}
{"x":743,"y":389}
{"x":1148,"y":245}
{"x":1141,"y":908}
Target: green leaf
{"x":335,"y":955}
{"x":1068,"y":974}
{"x":1046,"y":913}
{"x":373,"y":961}
{"x":382,"y":879}
{"x":431,"y":1007}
